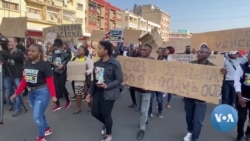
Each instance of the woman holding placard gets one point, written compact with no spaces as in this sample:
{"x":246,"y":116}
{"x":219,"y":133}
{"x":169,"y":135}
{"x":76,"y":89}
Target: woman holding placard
{"x":81,"y":87}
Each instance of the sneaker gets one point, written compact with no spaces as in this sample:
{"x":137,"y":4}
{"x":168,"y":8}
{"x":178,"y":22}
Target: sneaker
{"x":40,"y":139}
{"x":151,"y":115}
{"x":107,"y":138}
{"x":67,"y":105}
{"x":131,"y":106}
{"x":240,"y":139}
{"x":16,"y":113}
{"x":103,"y":132}
{"x":73,"y":98}
{"x":168,"y":106}
{"x":11,"y":108}
{"x":140,"y":135}
{"x":56,"y":108}
{"x":247,"y":137}
{"x":48,"y":131}
{"x":188,"y":137}
{"x":160,"y":115}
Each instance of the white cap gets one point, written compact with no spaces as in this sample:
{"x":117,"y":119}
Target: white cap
{"x":233,"y":52}
{"x":204,"y":44}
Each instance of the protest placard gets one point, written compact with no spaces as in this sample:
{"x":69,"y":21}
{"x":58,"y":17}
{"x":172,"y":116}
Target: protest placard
{"x":131,"y":36}
{"x":14,"y":27}
{"x":76,"y":71}
{"x":153,"y":39}
{"x":218,"y":60}
{"x":97,"y":35}
{"x":225,"y":40}
{"x":65,"y":31}
{"x":178,"y":44}
{"x":50,"y":37}
{"x":188,"y":80}
{"x":115,"y":35}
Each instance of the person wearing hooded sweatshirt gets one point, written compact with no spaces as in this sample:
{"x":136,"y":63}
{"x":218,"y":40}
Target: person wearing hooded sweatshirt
{"x":60,"y":60}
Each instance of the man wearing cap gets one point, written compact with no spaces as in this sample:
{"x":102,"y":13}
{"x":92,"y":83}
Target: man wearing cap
{"x":231,"y":62}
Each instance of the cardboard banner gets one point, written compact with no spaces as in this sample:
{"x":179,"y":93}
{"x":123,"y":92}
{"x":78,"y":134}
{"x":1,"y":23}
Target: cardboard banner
{"x":66,"y":31}
{"x":178,"y":44}
{"x":218,"y":60}
{"x":115,"y":35}
{"x":131,"y":36}
{"x":76,"y":71}
{"x":184,"y":79}
{"x":94,"y":46}
{"x":97,"y":35}
{"x":225,"y":40}
{"x":50,"y":37}
{"x":14,"y":27}
{"x":154,"y":39}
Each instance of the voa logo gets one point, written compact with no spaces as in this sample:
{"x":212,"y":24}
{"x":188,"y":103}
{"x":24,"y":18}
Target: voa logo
{"x":224,"y":118}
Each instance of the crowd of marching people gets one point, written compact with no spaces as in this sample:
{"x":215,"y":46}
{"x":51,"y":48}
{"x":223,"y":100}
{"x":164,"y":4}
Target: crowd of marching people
{"x":41,"y":71}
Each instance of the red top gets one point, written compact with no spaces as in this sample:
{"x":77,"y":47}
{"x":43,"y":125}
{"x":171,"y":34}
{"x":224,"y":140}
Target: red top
{"x":49,"y":82}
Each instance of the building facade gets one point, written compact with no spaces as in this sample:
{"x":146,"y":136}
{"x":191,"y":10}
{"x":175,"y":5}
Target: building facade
{"x":45,"y":13}
{"x":135,"y":22}
{"x":103,"y":16}
{"x":180,"y":34}
{"x":156,"y":15}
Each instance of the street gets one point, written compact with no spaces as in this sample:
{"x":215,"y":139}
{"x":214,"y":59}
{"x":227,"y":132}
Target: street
{"x":83,"y":127}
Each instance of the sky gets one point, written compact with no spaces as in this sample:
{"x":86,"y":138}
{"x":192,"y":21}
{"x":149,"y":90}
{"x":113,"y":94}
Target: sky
{"x":198,"y":15}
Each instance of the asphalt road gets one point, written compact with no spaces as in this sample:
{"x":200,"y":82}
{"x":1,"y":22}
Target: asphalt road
{"x":83,"y":127}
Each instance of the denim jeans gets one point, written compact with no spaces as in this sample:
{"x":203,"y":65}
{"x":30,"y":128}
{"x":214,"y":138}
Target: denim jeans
{"x":195,"y":114}
{"x":159,"y":98}
{"x":9,"y":90}
{"x":39,"y":101}
{"x":228,"y":93}
{"x":143,"y":103}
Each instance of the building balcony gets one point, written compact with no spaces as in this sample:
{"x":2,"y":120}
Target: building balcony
{"x":57,"y":3}
{"x":79,"y":21}
{"x":53,"y":20}
{"x":34,"y":16}
{"x":93,"y":11}
{"x":37,"y":1}
{"x":67,"y":22}
{"x":92,"y":23}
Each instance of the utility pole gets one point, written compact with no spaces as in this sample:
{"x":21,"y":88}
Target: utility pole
{"x":1,"y":93}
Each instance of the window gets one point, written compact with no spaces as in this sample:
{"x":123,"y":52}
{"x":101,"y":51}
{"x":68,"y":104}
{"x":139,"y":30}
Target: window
{"x":79,"y":21}
{"x":79,"y":6}
{"x":68,"y":16}
{"x":34,"y":13}
{"x":52,"y":16}
{"x":10,"y":5}
{"x":126,"y":18}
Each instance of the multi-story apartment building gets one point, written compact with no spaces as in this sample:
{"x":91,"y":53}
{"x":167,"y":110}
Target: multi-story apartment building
{"x":156,"y":15}
{"x":133,"y":21}
{"x":180,"y":34}
{"x":103,"y":16}
{"x":45,"y":13}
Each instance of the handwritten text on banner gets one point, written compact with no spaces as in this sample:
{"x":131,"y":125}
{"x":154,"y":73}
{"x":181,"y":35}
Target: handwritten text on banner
{"x":184,"y":79}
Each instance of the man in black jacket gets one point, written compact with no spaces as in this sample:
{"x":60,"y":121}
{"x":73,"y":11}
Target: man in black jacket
{"x":13,"y":72}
